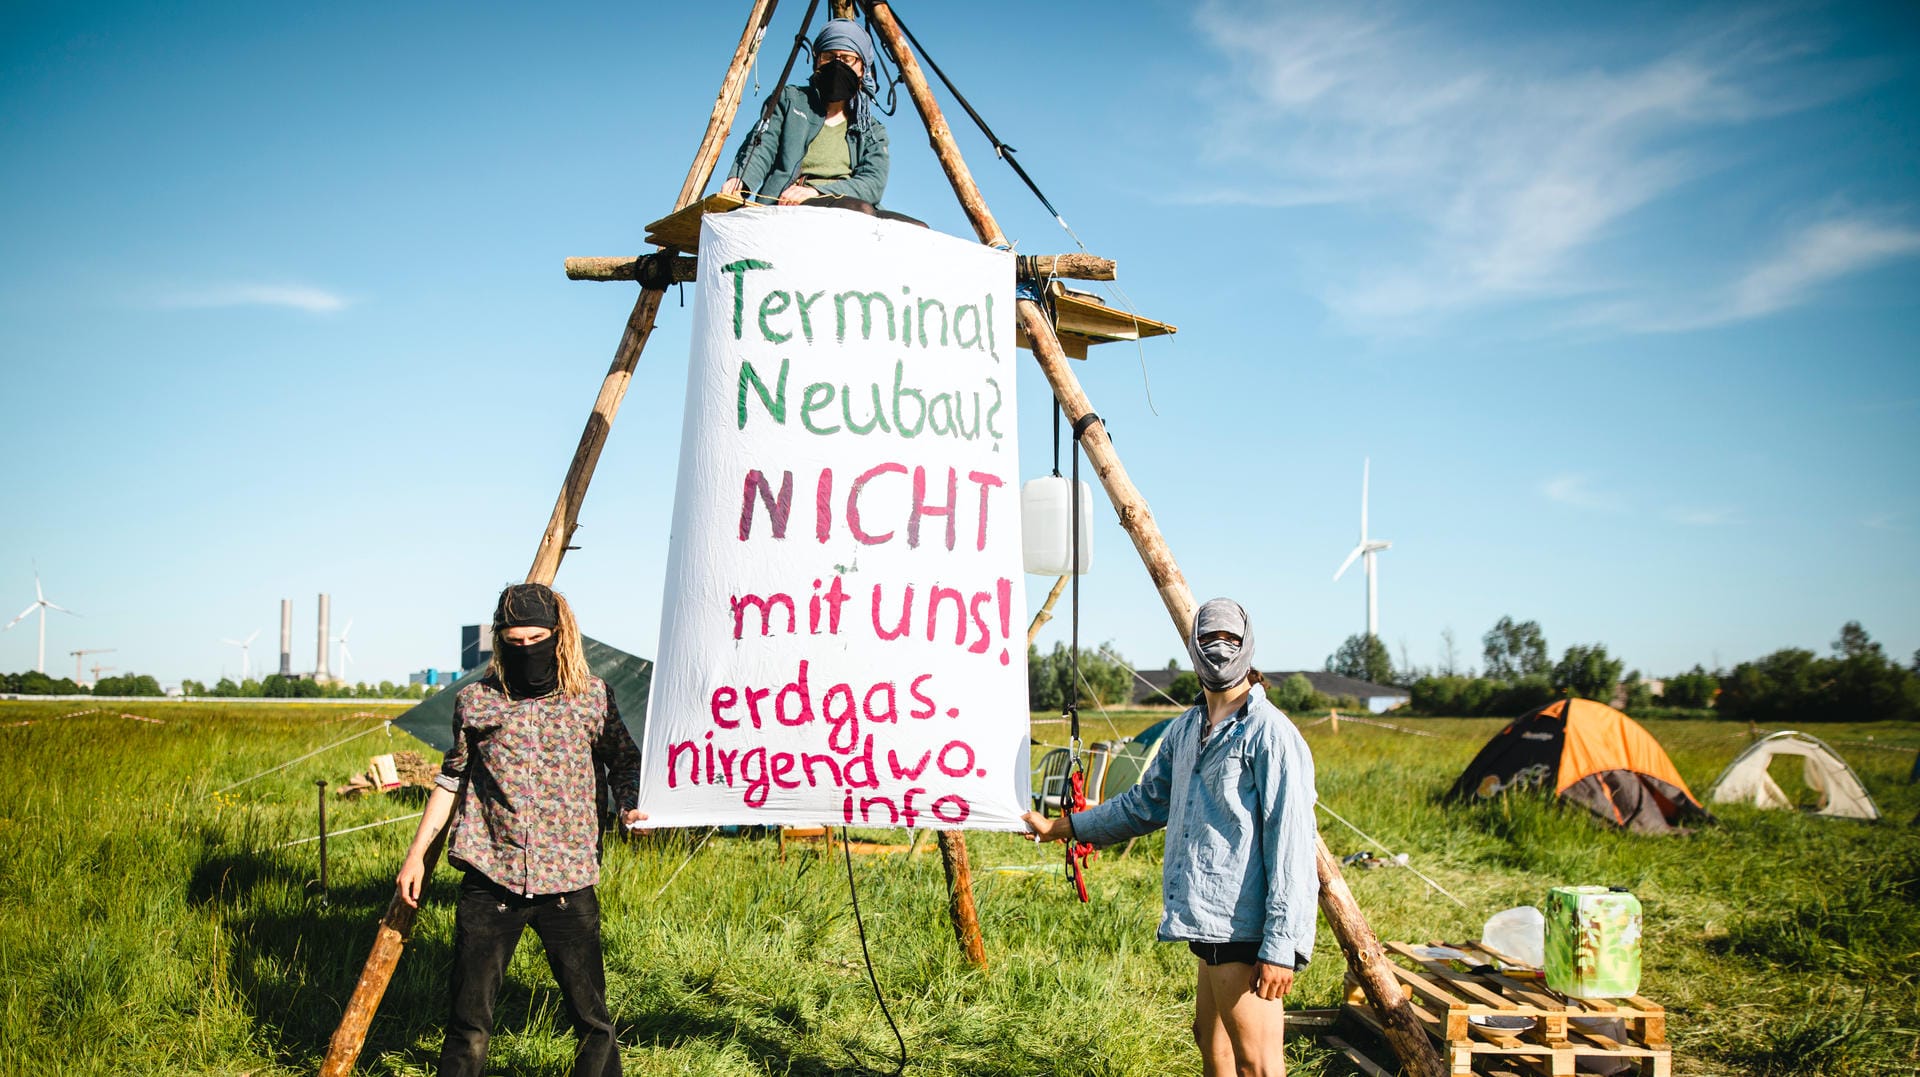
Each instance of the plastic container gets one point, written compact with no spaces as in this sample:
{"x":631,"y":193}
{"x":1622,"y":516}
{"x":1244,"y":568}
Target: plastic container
{"x":1519,"y":933}
{"x":1046,"y":526}
{"x":1593,"y":941}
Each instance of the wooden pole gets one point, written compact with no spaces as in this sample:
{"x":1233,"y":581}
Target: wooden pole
{"x":1364,"y":954}
{"x":391,"y":938}
{"x":683,"y":269}
{"x":960,"y":907}
{"x":613,"y":388}
{"x":1046,"y":609}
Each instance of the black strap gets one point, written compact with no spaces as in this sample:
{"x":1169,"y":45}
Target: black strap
{"x":1000,"y":149}
{"x":773,"y":99}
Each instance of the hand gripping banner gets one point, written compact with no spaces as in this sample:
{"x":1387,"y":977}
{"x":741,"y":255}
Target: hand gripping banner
{"x":842,"y":639}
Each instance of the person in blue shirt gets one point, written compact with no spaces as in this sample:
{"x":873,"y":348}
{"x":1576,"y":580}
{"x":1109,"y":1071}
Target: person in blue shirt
{"x":822,"y":143}
{"x":1233,"y":786}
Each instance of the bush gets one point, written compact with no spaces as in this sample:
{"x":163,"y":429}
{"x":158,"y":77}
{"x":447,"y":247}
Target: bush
{"x":1185,"y":688}
{"x":1295,"y":695}
{"x":1691,"y":690}
{"x":1474,"y":697}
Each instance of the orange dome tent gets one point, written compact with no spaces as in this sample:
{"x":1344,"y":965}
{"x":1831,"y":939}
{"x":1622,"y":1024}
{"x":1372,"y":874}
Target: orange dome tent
{"x":1590,"y":754}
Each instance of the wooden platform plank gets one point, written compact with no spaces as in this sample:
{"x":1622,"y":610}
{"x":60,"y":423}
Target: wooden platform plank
{"x":682,"y":229}
{"x":1081,"y":320}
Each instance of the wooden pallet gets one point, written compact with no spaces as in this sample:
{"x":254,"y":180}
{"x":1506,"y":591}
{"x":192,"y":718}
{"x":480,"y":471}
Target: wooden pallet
{"x":1446,"y":1000}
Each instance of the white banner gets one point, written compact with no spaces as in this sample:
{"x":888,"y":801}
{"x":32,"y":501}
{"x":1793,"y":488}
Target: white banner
{"x":842,"y":639}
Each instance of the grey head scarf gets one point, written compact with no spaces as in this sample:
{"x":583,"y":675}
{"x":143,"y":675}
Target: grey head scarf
{"x":848,"y":35}
{"x":1222,"y":664}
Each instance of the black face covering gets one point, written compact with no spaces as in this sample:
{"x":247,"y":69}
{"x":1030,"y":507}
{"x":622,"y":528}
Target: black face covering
{"x":836,"y":81}
{"x":531,"y":671}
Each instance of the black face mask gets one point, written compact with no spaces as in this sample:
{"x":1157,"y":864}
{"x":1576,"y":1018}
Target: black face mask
{"x":531,"y":671}
{"x":836,"y":81}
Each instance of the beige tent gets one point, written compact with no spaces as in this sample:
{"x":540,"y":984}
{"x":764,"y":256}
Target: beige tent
{"x":1746,"y":781}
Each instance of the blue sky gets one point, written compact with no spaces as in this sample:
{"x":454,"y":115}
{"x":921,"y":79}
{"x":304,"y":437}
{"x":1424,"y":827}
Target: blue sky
{"x":1622,"y":301}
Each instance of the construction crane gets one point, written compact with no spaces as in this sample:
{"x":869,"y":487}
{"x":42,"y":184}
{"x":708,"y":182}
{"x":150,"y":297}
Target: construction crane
{"x":78,"y":655}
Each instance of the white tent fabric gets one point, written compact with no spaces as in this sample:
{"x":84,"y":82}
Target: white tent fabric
{"x":1746,"y":781}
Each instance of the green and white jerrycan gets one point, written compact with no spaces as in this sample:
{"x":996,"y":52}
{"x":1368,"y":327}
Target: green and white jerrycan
{"x":1593,"y":941}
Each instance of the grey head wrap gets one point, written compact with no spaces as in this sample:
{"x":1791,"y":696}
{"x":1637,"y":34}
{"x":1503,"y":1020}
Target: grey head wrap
{"x":845,"y":34}
{"x":1221,"y":665}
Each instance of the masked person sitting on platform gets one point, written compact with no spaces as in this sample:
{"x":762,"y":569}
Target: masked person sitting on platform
{"x":1233,"y":786}
{"x":822,"y":144}
{"x":534,"y":745}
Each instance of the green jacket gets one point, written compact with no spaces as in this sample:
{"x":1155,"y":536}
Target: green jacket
{"x":772,"y":165}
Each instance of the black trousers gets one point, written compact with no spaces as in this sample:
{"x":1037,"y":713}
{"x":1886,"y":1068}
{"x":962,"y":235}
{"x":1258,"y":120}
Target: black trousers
{"x":486,"y":928}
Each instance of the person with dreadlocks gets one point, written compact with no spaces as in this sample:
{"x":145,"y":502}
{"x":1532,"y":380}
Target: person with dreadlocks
{"x":821,"y":144}
{"x":537,"y":747}
{"x":1233,"y":786}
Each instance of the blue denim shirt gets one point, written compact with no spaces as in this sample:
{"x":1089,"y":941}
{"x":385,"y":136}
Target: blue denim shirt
{"x":1239,"y":864}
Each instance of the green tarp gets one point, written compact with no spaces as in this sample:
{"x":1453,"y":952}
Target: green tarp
{"x":627,"y":675}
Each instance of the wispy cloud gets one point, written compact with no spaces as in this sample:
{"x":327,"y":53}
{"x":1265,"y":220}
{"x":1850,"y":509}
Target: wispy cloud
{"x":1576,"y":491}
{"x":1499,"y":160}
{"x":1704,"y":516}
{"x":1788,"y":276}
{"x":290,"y":296}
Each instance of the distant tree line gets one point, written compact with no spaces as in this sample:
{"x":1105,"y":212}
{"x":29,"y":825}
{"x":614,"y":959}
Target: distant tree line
{"x":273,"y":686}
{"x":1857,"y":682}
{"x":1104,"y":681}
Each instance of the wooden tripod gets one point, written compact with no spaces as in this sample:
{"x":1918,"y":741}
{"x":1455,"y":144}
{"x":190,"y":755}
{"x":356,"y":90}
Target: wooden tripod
{"x":1364,"y":953}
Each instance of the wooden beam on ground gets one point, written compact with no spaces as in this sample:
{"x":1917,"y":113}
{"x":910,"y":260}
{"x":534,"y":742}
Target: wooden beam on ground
{"x":1364,"y":954}
{"x":350,"y":1036}
{"x":681,"y":269}
{"x":960,"y":907}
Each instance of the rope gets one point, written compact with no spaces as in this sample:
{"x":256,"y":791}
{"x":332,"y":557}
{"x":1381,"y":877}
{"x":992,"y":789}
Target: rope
{"x":349,"y":830}
{"x":1000,"y":149}
{"x":846,"y":850}
{"x":1116,"y":659}
{"x":388,"y":726}
{"x":685,"y":862}
{"x":1389,"y":725}
{"x":1389,"y":852}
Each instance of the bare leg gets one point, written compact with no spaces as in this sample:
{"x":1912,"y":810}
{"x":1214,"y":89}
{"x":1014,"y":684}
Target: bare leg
{"x":1209,"y":1033}
{"x":1254,"y":1026}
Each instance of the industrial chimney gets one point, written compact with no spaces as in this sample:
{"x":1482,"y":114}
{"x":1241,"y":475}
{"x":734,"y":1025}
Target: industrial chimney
{"x":320,"y":665}
{"x":286,"y":637}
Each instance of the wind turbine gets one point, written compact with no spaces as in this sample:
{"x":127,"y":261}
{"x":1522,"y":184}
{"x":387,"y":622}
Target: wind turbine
{"x":345,"y":655}
{"x":1367,"y":549}
{"x":39,"y":603}
{"x":246,"y":659}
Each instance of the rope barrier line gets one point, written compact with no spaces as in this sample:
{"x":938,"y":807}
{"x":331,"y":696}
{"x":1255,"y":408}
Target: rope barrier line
{"x":349,"y":830}
{"x":1363,"y":834}
{"x":689,"y":859}
{"x":387,"y":725}
{"x":1136,"y":675}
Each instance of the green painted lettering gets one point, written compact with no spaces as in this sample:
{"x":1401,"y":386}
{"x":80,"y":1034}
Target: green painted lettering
{"x":924,"y":304}
{"x":806,"y":317}
{"x":776,"y":404}
{"x":818,"y":395}
{"x":739,"y":271}
{"x":867,"y":300}
{"x":774,"y":303}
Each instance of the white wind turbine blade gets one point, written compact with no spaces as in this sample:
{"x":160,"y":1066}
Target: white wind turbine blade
{"x":232,"y":642}
{"x":250,"y":639}
{"x":62,"y":609}
{"x":38,"y":594}
{"x":1366,"y":468}
{"x":346,"y":631}
{"x":24,"y":614}
{"x":1348,"y":563}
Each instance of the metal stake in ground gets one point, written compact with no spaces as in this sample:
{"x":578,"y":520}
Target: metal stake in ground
{"x":397,"y":924}
{"x":320,"y":785}
{"x":1364,"y":954}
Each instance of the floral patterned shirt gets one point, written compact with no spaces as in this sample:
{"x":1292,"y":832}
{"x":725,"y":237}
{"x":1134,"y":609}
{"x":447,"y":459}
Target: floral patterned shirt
{"x":536,"y":771}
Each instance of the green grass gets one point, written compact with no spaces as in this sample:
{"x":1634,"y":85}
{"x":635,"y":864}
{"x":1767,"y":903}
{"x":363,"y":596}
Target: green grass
{"x":146,"y":924}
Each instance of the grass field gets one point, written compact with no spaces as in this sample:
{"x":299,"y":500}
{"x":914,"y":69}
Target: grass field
{"x":148,"y":926}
